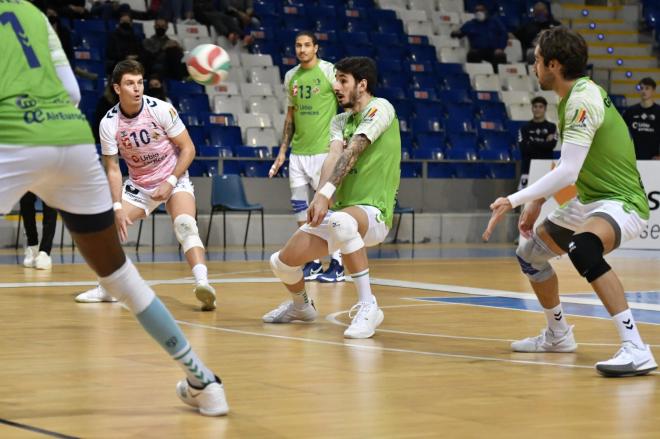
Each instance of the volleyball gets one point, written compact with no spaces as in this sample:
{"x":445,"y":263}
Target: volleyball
{"x":208,"y":64}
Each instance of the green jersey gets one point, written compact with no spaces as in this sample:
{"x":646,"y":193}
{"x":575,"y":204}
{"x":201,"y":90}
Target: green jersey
{"x":309,"y":92}
{"x":588,"y":118}
{"x":374,"y":180}
{"x":35,"y":109}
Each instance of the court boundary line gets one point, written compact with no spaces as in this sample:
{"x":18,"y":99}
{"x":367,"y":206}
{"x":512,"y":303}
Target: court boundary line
{"x":34,"y":429}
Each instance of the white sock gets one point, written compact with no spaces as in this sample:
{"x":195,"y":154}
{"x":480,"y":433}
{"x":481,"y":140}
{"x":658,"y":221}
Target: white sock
{"x":337,"y":257}
{"x":556,"y":319}
{"x":625,"y":324}
{"x":361,"y":281}
{"x":201,"y":274}
{"x":300,"y":300}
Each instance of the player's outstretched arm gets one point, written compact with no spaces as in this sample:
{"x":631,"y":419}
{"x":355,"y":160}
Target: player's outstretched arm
{"x":287,"y":135}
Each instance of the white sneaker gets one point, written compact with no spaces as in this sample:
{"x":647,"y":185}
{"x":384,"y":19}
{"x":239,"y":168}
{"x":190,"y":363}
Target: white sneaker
{"x":210,"y":401}
{"x":287,"y":312}
{"x":366,"y":318}
{"x":630,"y":360}
{"x":43,"y":261}
{"x":205,"y":293}
{"x":548,"y":341}
{"x":30,"y":255}
{"x":95,"y":295}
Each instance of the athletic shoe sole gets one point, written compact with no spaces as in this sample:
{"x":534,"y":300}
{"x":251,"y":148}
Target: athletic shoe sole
{"x":206,"y":296}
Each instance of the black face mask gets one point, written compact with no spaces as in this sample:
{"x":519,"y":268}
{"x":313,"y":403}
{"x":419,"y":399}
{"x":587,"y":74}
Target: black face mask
{"x":160,"y":31}
{"x":157,"y":92}
{"x":53,"y":19}
{"x":126,"y":27}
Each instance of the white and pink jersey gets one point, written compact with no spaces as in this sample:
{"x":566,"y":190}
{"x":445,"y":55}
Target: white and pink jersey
{"x":144,"y":140}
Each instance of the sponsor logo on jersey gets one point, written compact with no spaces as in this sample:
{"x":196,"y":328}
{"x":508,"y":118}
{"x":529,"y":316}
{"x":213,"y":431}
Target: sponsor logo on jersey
{"x":580,"y":118}
{"x":316,"y":90}
{"x":173,"y":114}
{"x":370,"y":115}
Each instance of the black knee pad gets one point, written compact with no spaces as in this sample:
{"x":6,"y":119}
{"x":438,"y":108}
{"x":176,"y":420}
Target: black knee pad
{"x":586,"y":254}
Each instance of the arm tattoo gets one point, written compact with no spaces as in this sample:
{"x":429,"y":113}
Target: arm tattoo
{"x":288,"y":131}
{"x":348,"y":157}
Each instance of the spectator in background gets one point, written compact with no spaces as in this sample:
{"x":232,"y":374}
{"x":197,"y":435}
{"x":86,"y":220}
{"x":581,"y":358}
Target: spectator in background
{"x":536,"y":139}
{"x":487,"y":37}
{"x":643,"y":121}
{"x":73,"y":9}
{"x":123,"y":43}
{"x":243,"y":11}
{"x":37,"y":255}
{"x":541,"y":19}
{"x":162,"y":54}
{"x":223,"y":23}
{"x":63,"y":33}
{"x":156,"y":88}
{"x":107,"y":100}
{"x":174,"y":10}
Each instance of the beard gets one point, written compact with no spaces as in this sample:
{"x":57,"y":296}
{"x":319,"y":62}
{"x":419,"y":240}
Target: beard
{"x":352,"y":99}
{"x":546,"y":81}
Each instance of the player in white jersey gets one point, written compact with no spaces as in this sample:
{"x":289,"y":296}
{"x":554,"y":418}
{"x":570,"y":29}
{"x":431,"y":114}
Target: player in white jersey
{"x":157,"y":149}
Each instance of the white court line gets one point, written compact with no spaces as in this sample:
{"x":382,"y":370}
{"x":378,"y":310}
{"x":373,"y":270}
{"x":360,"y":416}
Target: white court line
{"x":332,"y":318}
{"x":180,"y":281}
{"x":358,"y":346}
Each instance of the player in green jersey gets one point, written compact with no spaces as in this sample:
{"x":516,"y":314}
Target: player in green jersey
{"x":359,"y":179}
{"x":611,"y":206}
{"x":311,"y":106}
{"x":47,"y":148}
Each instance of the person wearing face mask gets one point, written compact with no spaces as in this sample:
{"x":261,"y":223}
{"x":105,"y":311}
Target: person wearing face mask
{"x":123,"y":43}
{"x":541,"y":19}
{"x":157,"y":88}
{"x":162,"y":54}
{"x":63,"y":32}
{"x":487,"y":37}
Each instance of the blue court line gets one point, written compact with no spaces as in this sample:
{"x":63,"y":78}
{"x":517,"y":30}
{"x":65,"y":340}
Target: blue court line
{"x":575,"y":309}
{"x":631,"y":296}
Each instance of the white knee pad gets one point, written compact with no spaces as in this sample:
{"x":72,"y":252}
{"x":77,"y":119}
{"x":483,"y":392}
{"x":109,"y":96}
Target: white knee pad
{"x":533,"y":256}
{"x":288,"y":275}
{"x":185,"y":229}
{"x":300,"y":202}
{"x":344,"y":229}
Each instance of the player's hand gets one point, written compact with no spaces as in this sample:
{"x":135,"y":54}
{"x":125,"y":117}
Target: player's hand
{"x":499,"y":208}
{"x":317,"y":210}
{"x":279,"y":161}
{"x":528,"y":217}
{"x":122,"y":221}
{"x":162,"y":192}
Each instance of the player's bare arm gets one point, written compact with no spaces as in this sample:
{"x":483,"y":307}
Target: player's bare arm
{"x":112,"y":170}
{"x":186,"y":156}
{"x":287,"y":135}
{"x":342,"y":166}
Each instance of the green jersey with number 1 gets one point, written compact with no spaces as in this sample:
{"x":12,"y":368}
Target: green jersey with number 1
{"x":588,"y":118}
{"x":35,"y":109}
{"x":374,"y":180}
{"x":309,"y":92}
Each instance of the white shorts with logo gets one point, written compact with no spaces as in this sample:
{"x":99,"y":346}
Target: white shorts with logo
{"x":376,"y":233}
{"x":68,"y":178}
{"x":574,"y":214}
{"x":305,"y":169}
{"x":140,"y":197}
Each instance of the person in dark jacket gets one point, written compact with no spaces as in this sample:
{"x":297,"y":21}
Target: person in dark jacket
{"x":487,"y":37}
{"x":536,"y":139}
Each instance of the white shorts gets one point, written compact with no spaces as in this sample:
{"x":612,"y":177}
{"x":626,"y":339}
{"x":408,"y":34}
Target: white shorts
{"x":140,"y":197}
{"x":68,"y":178}
{"x":376,"y":233}
{"x":574,"y":214}
{"x":305,"y":169}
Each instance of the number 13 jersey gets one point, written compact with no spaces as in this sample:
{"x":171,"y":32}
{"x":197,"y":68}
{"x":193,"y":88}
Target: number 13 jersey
{"x":143,"y":141}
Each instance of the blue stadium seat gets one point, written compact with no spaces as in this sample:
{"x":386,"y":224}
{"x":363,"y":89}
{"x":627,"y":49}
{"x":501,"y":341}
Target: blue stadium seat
{"x":470,"y":170}
{"x":391,"y":93}
{"x":424,"y":81}
{"x":388,"y":39}
{"x":295,"y":21}
{"x":493,"y":111}
{"x":411,"y":170}
{"x":198,"y":168}
{"x":428,"y":153}
{"x":198,"y":135}
{"x":426,"y":109}
{"x":422,"y":54}
{"x":359,"y":50}
{"x":90,"y":25}
{"x":418,"y":40}
{"x":387,"y":26}
{"x":194,"y":104}
{"x":192,"y":119}
{"x":404,"y":109}
{"x":493,"y":154}
{"x":406,"y":140}
{"x":427,"y":124}
{"x":251,"y":151}
{"x":513,"y":126}
{"x":360,"y":4}
{"x":267,"y":47}
{"x":454,"y":96}
{"x":94,"y":53}
{"x":183,"y":88}
{"x":445,"y":69}
{"x":430,"y":140}
{"x":389,"y":65}
{"x":97,"y":67}
{"x":457,"y":123}
{"x":347,"y":38}
{"x":394,"y":80}
{"x":501,"y":170}
{"x":224,"y":119}
{"x":358,"y":25}
{"x":463,"y":141}
{"x":229,"y":136}
{"x":331,"y":52}
{"x":487,"y":96}
{"x":425,"y":94}
{"x":326,"y":11}
{"x":459,"y":81}
{"x":391,"y":52}
{"x":327,"y":36}
{"x":264,"y":32}
{"x":461,"y":110}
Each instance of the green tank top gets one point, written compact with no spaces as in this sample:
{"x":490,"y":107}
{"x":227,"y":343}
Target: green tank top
{"x":374,"y":180}
{"x":588,"y":118}
{"x":35,"y":109}
{"x":314,"y":105}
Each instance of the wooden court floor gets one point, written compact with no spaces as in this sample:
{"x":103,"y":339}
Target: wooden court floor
{"x":436,"y":369}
